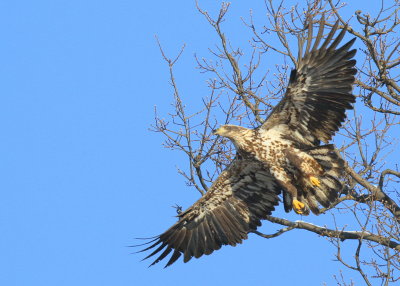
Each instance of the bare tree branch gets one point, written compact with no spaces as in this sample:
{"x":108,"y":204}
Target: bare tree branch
{"x":322,"y":231}
{"x":243,"y":90}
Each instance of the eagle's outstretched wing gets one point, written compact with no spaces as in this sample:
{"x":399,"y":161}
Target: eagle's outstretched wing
{"x":242,"y":195}
{"x":319,"y":90}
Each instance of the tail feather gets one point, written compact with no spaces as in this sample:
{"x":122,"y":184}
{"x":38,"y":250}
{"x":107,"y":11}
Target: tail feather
{"x":311,"y":203}
{"x":330,"y":187}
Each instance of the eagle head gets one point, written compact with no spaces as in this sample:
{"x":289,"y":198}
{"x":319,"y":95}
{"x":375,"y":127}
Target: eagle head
{"x":232,"y":132}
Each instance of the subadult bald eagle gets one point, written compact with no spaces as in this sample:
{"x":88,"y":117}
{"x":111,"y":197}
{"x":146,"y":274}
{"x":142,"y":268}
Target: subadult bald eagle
{"x":282,"y":155}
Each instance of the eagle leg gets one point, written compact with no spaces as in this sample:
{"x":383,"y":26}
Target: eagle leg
{"x":298,"y":206}
{"x":306,"y":164}
{"x":285,"y":182}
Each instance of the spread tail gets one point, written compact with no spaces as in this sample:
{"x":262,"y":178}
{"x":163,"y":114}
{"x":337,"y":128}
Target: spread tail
{"x":330,"y":185}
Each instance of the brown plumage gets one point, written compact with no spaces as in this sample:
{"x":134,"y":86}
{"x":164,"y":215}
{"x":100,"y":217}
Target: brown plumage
{"x":319,"y":90}
{"x":242,"y":195}
{"x":283,"y":154}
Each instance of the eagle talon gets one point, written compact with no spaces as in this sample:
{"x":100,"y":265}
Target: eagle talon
{"x":314,"y":181}
{"x":298,"y":207}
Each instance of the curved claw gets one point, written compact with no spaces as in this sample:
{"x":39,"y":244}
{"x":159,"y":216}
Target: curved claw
{"x":298,"y":207}
{"x":314,"y":181}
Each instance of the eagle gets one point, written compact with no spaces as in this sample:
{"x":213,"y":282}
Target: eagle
{"x":284,"y":156}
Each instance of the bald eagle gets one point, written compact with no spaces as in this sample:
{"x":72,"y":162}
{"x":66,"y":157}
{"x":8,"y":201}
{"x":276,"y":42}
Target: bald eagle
{"x":283,"y":155}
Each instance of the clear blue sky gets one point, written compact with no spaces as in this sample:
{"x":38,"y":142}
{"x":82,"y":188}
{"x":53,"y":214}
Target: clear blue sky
{"x":80,"y":174}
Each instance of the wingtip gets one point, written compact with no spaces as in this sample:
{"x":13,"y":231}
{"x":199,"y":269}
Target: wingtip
{"x":167,"y":265}
{"x":153,"y":239}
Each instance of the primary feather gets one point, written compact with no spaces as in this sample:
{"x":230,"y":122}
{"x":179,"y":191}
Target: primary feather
{"x":319,"y":90}
{"x":242,"y":195}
